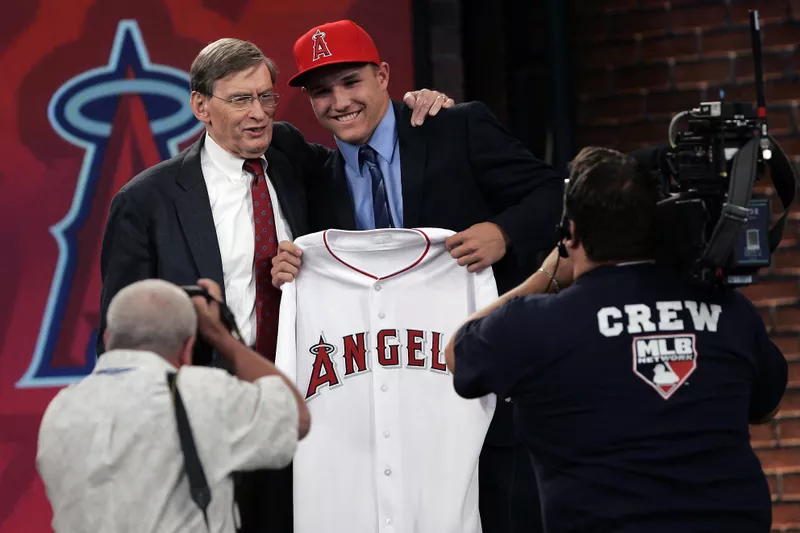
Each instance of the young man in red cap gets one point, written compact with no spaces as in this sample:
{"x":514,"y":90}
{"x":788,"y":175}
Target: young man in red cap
{"x":461,"y":171}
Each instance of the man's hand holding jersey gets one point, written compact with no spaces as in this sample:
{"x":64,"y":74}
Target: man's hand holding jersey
{"x":478,"y":246}
{"x":286,"y":263}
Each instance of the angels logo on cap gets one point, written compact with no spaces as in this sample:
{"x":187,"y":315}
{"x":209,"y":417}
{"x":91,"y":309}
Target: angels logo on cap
{"x":320,"y":46}
{"x":349,"y":40}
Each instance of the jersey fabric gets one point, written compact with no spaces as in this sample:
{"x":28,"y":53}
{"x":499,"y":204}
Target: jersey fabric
{"x":633,"y":391}
{"x":392,"y":447}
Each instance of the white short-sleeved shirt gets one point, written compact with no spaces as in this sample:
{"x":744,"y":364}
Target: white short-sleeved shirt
{"x":110,"y":456}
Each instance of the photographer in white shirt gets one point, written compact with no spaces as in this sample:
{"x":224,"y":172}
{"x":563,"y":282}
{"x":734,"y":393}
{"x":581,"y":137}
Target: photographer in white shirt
{"x":109,"y":452}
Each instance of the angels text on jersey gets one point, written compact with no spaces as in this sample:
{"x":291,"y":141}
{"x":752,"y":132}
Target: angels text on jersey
{"x":356,"y":353}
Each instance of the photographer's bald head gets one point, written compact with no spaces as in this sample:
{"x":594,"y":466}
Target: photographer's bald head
{"x":153,"y":315}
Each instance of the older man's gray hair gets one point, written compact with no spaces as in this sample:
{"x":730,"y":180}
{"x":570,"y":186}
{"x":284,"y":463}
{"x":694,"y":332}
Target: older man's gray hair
{"x":224,"y":57}
{"x":152,"y":315}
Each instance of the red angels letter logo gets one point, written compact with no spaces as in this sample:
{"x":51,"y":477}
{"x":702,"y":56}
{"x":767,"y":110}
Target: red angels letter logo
{"x":323,"y":372}
{"x":437,"y":361}
{"x":320,"y":46}
{"x":355,"y":354}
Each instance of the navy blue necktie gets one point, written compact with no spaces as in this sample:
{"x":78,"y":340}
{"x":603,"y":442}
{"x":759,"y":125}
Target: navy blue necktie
{"x":380,"y":200}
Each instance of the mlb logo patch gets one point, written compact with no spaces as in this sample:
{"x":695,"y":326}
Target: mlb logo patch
{"x":664,"y":361}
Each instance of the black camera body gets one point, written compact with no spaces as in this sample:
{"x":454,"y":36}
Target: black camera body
{"x":203,"y":353}
{"x":710,"y":226}
{"x":700,"y":200}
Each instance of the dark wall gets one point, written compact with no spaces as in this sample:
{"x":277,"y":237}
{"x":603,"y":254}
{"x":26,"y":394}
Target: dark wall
{"x":501,"y":53}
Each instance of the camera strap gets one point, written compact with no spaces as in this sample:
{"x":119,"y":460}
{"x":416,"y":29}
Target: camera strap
{"x":784,"y":179}
{"x":735,"y":212}
{"x":198,"y":486}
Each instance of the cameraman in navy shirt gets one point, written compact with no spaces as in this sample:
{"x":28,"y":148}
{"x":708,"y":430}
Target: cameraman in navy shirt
{"x":633,"y":389}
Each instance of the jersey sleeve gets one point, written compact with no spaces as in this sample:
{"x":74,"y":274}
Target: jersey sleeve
{"x":771,"y":372}
{"x":286,"y":351}
{"x":493,"y":354}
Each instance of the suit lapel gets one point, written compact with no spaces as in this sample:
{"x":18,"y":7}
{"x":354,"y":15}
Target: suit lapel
{"x":413,"y":154}
{"x":194,"y":213}
{"x":339,"y":192}
{"x":290,"y":194}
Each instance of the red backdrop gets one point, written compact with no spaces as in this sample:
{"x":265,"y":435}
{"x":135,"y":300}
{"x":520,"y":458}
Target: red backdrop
{"x":92,"y":92}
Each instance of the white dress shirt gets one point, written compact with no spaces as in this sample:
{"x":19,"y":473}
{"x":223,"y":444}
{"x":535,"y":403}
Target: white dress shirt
{"x":232,"y":208}
{"x":110,"y":456}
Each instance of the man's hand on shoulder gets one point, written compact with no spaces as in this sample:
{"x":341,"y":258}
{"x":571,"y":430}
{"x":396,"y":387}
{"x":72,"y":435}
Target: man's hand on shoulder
{"x":426,"y":102}
{"x":286,"y":263}
{"x":479,"y":246}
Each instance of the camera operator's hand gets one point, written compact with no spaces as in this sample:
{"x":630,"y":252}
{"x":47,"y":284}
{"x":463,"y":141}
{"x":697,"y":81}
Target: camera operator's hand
{"x":564,"y":276}
{"x":209,"y":323}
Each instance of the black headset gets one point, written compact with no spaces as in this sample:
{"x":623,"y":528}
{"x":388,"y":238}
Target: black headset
{"x":562,"y":229}
{"x":563,"y":233}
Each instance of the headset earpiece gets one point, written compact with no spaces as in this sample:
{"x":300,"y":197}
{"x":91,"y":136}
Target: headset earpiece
{"x":563,"y":234}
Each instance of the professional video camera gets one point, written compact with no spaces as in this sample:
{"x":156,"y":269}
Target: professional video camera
{"x":710,"y":224}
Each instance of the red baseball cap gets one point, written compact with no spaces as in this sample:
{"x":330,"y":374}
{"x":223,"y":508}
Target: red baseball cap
{"x":343,"y":41}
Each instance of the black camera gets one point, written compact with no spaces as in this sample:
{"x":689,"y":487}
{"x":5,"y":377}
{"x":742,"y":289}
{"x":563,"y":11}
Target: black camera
{"x":710,"y":225}
{"x":203,"y":353}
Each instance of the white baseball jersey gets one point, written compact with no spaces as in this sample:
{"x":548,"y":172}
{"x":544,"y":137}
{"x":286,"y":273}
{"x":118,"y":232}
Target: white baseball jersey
{"x":392,"y":447}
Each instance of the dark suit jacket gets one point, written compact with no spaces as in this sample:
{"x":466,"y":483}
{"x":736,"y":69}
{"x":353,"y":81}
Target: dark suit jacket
{"x":160,"y":223}
{"x":458,"y":169}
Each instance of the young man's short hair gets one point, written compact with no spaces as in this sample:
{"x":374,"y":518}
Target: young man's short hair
{"x":613,"y":204}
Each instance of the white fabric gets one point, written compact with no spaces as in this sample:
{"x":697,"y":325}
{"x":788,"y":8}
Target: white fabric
{"x":392,"y":448}
{"x":232,"y":208}
{"x":110,"y":456}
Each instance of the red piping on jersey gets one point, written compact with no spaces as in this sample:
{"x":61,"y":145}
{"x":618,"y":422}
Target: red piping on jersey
{"x":409,"y":267}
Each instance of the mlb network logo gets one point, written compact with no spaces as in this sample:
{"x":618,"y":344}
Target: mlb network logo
{"x":665,"y":361}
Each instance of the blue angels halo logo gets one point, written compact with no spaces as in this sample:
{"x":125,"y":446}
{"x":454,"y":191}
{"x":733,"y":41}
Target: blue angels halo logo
{"x":84,"y":111}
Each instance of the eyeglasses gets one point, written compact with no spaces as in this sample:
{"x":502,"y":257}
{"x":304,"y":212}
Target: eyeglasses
{"x":267,"y":100}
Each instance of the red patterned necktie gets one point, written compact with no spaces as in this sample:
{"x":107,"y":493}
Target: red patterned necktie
{"x":268,"y":298}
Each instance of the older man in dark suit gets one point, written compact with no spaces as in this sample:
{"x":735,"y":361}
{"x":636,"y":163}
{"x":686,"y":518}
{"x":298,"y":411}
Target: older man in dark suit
{"x":218,"y":211}
{"x":460,"y":171}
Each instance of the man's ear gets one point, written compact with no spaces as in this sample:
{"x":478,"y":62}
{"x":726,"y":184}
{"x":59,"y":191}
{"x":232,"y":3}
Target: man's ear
{"x":573,"y":242}
{"x":383,"y":74}
{"x":185,"y":355}
{"x":200,"y":109}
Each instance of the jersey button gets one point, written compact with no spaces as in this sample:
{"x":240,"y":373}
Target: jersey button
{"x":384,"y":388}
{"x":385,"y":434}
{"x":388,"y":471}
{"x":388,"y":521}
{"x":381,"y":315}
{"x":377,"y":288}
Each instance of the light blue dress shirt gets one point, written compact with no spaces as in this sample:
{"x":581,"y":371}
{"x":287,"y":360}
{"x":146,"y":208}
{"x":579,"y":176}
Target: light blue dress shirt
{"x":386,"y":143}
